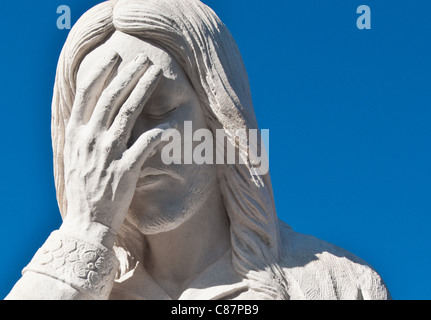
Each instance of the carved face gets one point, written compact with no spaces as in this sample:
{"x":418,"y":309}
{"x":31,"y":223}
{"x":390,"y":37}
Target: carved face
{"x":166,"y":195}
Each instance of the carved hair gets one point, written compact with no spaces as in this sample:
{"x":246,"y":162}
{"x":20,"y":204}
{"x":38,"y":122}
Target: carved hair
{"x":193,"y":34}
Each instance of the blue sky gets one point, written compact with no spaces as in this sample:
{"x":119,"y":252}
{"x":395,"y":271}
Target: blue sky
{"x":348,"y":111}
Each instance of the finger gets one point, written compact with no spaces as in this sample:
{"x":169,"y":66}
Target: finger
{"x":132,"y":108}
{"x":114,"y":96}
{"x":138,"y":153}
{"x":90,"y":89}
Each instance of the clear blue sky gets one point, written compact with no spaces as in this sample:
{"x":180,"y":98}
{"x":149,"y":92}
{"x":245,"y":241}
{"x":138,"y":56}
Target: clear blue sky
{"x":349,"y":113}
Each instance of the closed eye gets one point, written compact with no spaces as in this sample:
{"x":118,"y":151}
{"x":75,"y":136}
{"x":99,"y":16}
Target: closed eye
{"x":160,"y":116}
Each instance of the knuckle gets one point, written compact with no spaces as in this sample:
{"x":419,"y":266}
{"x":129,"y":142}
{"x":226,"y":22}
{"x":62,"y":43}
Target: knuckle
{"x":109,"y":144}
{"x":109,"y":96}
{"x":90,"y":145}
{"x":85,"y":140}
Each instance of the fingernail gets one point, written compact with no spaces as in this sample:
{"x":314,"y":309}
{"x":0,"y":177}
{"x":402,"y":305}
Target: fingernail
{"x":141,"y":58}
{"x":112,"y":56}
{"x":155,"y":70}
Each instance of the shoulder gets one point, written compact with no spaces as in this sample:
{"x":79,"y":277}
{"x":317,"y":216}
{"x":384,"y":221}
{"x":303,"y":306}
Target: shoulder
{"x":320,"y":270}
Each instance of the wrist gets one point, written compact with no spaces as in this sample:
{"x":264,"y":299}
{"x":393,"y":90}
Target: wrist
{"x":89,"y":231}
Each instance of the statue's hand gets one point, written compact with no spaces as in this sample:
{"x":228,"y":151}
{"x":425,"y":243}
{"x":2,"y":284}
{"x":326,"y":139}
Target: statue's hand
{"x":101,"y":170}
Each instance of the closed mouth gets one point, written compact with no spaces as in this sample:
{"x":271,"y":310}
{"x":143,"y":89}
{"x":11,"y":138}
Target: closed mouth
{"x":151,"y":175}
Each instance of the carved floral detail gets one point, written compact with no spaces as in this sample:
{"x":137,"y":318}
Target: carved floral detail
{"x":82,"y":265}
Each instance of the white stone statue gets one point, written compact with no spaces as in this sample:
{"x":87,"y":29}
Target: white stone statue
{"x":137,"y":228}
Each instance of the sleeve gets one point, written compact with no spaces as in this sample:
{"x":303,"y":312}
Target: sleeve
{"x":68,"y":269}
{"x":371,"y":286}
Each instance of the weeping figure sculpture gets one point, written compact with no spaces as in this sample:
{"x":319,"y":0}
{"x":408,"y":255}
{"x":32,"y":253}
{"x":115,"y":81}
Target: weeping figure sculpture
{"x":135,"y":227}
